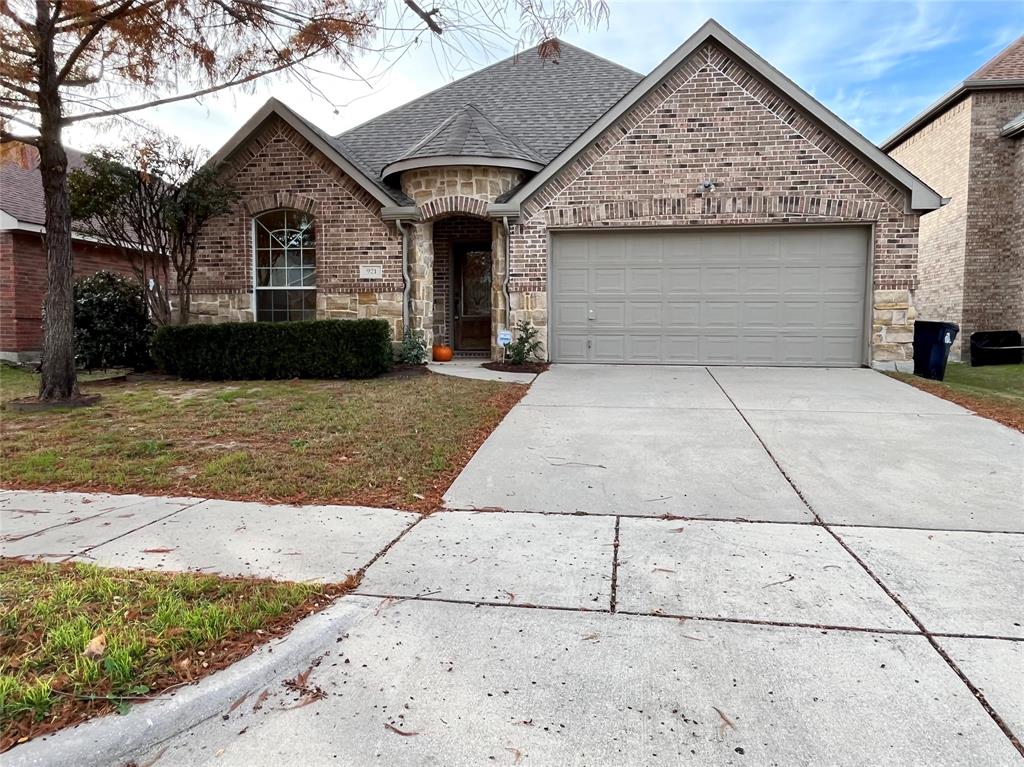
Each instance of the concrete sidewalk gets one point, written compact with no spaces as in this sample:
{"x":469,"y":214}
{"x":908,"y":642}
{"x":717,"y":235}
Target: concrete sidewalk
{"x":324,"y":543}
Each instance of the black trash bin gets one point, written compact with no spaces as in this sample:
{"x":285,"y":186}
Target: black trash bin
{"x":931,"y":347}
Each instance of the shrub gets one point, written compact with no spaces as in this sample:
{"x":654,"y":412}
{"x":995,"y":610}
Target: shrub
{"x":112,"y":327}
{"x":526,"y":347}
{"x":413,"y":349}
{"x":268,"y":350}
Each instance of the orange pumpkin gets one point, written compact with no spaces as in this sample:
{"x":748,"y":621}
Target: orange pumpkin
{"x":443,"y":353}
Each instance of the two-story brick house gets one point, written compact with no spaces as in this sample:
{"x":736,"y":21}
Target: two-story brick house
{"x":710,"y":212}
{"x":969,"y":146}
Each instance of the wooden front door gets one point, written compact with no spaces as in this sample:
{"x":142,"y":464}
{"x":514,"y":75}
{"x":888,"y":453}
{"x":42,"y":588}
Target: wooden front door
{"x":471,"y":299}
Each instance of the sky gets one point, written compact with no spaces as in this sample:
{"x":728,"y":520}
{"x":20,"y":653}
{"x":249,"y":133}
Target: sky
{"x":876,"y":64}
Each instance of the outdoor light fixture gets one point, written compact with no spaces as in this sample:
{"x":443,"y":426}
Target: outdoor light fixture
{"x":706,"y":186}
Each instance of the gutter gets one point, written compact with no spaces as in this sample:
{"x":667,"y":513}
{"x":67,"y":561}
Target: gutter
{"x":406,"y":281}
{"x":945,"y":102}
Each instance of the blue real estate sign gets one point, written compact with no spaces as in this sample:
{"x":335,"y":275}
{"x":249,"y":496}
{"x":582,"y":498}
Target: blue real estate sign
{"x":504,"y":337}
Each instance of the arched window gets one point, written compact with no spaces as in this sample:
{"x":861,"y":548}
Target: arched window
{"x":285,"y":242}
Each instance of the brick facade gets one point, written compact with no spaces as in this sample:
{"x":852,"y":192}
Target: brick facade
{"x":971,"y":250}
{"x":277,"y":168}
{"x":714,"y":119}
{"x":23,"y":287}
{"x":940,"y":156}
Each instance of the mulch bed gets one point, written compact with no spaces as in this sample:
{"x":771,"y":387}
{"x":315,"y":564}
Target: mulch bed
{"x":526,"y":367}
{"x":1005,"y":412}
{"x":215,"y":657}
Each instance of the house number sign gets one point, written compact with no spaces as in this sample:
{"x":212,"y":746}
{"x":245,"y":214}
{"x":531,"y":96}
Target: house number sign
{"x":371,"y":271}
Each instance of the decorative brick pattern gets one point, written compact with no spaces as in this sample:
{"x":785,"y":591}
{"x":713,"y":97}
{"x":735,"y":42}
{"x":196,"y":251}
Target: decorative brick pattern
{"x":713,"y":119}
{"x":23,"y":287}
{"x":278,"y":168}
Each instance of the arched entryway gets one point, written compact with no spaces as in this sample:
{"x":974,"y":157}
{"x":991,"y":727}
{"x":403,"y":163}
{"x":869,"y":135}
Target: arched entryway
{"x":463,"y":283}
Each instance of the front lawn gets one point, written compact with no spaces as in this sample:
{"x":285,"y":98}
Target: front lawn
{"x":395,"y":442}
{"x":78,"y":640}
{"x":993,"y":391}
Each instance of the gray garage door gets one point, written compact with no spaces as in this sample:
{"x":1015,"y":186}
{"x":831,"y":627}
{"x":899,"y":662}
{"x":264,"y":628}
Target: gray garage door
{"x":784,"y":296}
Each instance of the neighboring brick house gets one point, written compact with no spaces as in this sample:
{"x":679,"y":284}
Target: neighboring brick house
{"x":710,"y":212}
{"x":23,"y":254}
{"x":969,"y":146}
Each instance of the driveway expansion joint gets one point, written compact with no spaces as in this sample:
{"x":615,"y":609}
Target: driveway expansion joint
{"x":977,"y":693}
{"x":615,"y":566}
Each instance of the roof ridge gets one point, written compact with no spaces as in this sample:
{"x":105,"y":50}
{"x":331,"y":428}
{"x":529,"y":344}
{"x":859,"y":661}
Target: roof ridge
{"x":476,"y":72}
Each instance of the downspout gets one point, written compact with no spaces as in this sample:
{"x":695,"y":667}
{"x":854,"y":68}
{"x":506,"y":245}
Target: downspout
{"x":508,"y":272}
{"x":406,"y":281}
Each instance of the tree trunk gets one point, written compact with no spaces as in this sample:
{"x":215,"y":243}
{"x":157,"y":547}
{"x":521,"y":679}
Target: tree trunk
{"x":184,"y":299}
{"x":59,"y":379}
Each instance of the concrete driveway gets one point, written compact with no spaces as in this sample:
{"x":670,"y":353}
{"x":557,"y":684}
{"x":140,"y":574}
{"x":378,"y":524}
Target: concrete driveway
{"x":681,"y":566}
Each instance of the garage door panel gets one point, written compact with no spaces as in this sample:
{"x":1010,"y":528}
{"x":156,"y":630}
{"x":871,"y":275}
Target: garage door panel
{"x":644,"y":315}
{"x":760,"y":314}
{"x":843,"y":315}
{"x":759,"y":350}
{"x":800,"y":314}
{"x":609,"y":314}
{"x":801,"y":279}
{"x":606,"y":280}
{"x":682,"y":350}
{"x":683,"y":314}
{"x":761,"y":279}
{"x":721,"y":314}
{"x":608,"y":348}
{"x":570,"y":348}
{"x":720,"y":279}
{"x":571,"y":314}
{"x":786,"y":296}
{"x":649,"y":281}
{"x":642,"y":348}
{"x":572,"y":281}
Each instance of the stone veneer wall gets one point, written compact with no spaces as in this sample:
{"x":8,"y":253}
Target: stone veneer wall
{"x":714,"y":119}
{"x":1017,"y":233}
{"x":278,"y":168}
{"x":939,"y":154}
{"x":453,"y":203}
{"x":994,"y":274}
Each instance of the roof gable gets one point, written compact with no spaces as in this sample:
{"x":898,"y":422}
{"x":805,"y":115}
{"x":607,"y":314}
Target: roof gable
{"x":921,"y":196}
{"x":320,"y":140}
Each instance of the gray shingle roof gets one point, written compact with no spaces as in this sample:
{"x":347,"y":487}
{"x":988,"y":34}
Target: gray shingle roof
{"x":468,"y":133}
{"x":540,"y":104}
{"x":21,"y":188}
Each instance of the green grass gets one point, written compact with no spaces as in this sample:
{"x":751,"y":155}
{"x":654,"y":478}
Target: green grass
{"x":992,"y":391}
{"x":159,"y":630}
{"x":383,"y":442}
{"x":990,"y":380}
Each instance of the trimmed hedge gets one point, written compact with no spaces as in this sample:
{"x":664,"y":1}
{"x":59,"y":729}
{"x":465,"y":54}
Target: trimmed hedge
{"x":269,"y":350}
